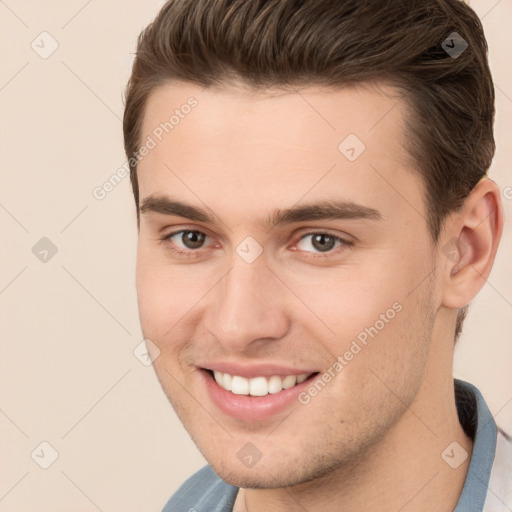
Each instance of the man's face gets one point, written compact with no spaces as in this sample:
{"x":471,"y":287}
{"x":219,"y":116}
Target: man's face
{"x":251,"y":291}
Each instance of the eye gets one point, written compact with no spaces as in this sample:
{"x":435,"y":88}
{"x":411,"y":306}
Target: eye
{"x":320,"y":242}
{"x":186,"y":240}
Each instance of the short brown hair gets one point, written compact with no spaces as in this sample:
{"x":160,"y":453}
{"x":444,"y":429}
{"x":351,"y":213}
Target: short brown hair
{"x":288,"y":43}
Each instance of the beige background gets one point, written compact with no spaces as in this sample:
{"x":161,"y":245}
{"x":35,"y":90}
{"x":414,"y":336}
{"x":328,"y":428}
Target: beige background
{"x":68,"y":375}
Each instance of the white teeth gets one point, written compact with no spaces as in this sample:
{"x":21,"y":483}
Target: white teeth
{"x":218,"y":377}
{"x":301,"y":378}
{"x":239,"y":385}
{"x":289,"y":381}
{"x":275,"y":384}
{"x":227,"y":381}
{"x":257,"y":386}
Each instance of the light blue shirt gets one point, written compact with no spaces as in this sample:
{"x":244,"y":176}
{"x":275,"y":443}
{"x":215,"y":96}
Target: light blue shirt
{"x":487,"y":488}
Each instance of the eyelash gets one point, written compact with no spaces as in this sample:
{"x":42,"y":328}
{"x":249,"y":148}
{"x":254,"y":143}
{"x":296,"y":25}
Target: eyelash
{"x":192,"y":253}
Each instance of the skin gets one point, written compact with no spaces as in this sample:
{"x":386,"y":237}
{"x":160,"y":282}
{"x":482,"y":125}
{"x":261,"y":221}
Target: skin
{"x":388,"y":416}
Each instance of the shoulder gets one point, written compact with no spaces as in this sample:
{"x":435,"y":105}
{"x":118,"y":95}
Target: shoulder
{"x":204,"y":491}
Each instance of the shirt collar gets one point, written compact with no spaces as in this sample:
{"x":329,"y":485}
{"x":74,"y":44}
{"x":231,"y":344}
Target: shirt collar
{"x":476,"y":418}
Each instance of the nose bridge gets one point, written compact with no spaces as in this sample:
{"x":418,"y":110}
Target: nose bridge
{"x":247,"y":306}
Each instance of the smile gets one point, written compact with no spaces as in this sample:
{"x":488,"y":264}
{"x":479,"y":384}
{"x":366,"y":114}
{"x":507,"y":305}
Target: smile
{"x":257,"y":386}
{"x":256,"y":392}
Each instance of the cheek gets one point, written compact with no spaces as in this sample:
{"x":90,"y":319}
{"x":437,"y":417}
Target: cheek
{"x":345,"y":301}
{"x":170,"y":297}
{"x":160,"y":303}
{"x":373,"y":315}
{"x":395,"y":341}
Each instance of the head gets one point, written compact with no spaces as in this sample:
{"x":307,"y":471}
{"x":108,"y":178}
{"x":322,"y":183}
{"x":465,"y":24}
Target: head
{"x":325,"y":160}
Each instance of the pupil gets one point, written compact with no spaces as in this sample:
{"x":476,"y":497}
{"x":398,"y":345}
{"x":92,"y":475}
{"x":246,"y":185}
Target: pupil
{"x":323,"y":242}
{"x":193,"y":239}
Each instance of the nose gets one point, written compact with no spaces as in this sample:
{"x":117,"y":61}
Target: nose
{"x":247,"y":308}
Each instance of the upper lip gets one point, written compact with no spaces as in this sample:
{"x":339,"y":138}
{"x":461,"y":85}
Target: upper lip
{"x":254,"y":369}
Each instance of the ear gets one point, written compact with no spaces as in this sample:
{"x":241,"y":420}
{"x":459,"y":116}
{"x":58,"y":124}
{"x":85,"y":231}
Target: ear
{"x":469,"y":243}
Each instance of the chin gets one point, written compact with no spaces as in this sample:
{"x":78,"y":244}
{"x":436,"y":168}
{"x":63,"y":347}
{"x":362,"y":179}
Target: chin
{"x":259,"y":478}
{"x":272,"y":472}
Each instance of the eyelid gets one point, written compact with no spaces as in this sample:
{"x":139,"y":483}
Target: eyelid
{"x":185,"y":228}
{"x":323,"y":231}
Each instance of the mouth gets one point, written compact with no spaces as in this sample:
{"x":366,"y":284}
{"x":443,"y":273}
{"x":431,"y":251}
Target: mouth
{"x":257,"y":397}
{"x":260,"y":385}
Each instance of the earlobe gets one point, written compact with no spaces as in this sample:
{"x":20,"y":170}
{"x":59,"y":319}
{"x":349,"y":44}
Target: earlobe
{"x":469,"y":244}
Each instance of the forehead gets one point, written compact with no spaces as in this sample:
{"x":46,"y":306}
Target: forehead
{"x":314,"y":114}
{"x":280,"y":144}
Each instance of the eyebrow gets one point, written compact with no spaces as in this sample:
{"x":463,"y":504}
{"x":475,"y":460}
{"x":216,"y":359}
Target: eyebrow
{"x":325,"y":210}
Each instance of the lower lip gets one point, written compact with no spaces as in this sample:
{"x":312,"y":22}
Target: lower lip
{"x":252,"y":408}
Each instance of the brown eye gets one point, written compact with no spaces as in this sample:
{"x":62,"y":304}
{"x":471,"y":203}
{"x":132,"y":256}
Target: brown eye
{"x":319,"y":242}
{"x":323,"y":242}
{"x":192,"y":239}
{"x":188,"y":243}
